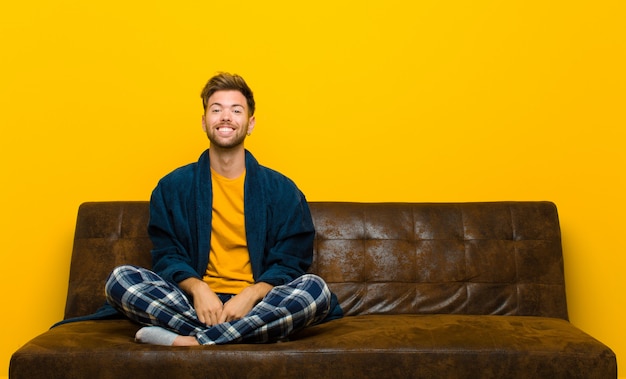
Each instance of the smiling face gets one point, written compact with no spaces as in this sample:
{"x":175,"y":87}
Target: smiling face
{"x":226,"y":121}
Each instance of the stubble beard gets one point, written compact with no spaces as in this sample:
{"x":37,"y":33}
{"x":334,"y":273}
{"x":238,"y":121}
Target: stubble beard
{"x":228,"y":144}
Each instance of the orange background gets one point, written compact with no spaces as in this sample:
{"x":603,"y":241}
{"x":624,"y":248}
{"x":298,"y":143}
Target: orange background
{"x":422,"y":101}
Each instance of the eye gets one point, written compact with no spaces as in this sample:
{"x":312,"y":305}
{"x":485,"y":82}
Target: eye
{"x":238,"y":111}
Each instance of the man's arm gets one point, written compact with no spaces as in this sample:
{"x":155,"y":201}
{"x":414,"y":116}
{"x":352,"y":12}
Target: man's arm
{"x":292,"y":234}
{"x":171,"y":258}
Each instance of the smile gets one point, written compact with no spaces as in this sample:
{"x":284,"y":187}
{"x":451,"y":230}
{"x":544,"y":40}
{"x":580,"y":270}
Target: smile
{"x":225,"y":131}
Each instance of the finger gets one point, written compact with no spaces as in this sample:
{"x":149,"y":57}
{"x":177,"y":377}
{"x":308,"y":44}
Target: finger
{"x":206,"y":317}
{"x":219,"y":316}
{"x":201,"y":318}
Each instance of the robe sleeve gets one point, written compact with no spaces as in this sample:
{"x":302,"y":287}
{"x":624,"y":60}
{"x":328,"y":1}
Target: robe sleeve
{"x":170,"y":259}
{"x":289,"y":251}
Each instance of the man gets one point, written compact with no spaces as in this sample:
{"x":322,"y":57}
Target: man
{"x":232,"y":242}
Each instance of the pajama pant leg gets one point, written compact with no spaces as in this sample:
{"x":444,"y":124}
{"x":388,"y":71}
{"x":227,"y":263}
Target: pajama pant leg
{"x":146,"y":298}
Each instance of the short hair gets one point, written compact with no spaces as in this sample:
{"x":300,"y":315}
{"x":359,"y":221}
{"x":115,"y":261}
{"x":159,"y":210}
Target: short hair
{"x":224,"y":81}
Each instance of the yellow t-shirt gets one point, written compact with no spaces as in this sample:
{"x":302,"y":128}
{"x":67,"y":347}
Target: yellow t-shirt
{"x":229,"y":269}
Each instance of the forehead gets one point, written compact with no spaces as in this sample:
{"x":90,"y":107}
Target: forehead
{"x":228,"y":98}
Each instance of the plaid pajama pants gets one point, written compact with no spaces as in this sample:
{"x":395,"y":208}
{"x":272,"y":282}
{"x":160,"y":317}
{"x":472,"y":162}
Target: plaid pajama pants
{"x":146,"y":298}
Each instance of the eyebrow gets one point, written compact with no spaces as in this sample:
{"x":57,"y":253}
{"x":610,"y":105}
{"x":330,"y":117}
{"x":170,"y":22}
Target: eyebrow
{"x":221,"y":105}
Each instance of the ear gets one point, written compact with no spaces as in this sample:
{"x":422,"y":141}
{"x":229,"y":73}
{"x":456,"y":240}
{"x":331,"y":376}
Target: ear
{"x":251,"y":123}
{"x":204,"y":127}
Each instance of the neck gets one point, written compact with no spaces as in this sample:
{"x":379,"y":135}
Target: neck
{"x":229,"y":163}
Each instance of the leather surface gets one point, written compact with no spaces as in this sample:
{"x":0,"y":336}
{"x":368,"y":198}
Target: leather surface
{"x":449,"y":290}
{"x":471,"y":258}
{"x":369,"y":346}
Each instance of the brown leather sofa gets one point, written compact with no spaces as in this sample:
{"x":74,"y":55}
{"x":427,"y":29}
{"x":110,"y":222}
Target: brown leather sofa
{"x":468,"y":290}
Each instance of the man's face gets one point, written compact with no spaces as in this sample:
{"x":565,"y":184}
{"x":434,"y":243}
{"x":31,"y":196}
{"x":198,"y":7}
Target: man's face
{"x":226,"y":121}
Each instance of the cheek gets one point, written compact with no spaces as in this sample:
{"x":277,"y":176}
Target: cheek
{"x":243,"y":120}
{"x":211,"y":119}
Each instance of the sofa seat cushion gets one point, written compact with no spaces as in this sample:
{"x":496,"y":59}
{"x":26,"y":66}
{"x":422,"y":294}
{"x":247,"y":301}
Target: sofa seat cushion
{"x":367,"y":346}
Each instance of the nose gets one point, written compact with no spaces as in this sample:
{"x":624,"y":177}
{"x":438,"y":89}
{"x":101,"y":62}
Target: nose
{"x":226,"y":115}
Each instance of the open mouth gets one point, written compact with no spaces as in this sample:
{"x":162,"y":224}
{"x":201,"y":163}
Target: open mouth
{"x":225,"y":129}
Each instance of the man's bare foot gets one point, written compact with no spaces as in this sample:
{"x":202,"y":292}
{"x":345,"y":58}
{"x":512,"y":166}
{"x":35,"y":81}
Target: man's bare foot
{"x":185,"y":341}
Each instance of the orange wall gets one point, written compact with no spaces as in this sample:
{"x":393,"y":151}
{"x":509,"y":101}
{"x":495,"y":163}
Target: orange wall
{"x":366,"y":101}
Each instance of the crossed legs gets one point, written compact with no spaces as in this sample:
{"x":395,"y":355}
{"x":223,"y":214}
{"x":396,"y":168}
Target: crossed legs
{"x":146,"y":298}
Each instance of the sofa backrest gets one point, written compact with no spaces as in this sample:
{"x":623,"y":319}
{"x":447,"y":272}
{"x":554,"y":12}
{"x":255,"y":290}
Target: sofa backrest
{"x":107,"y":235}
{"x":500,"y":258}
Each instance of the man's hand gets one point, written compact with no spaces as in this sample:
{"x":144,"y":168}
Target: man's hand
{"x":239,"y":305}
{"x":208,"y":306}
